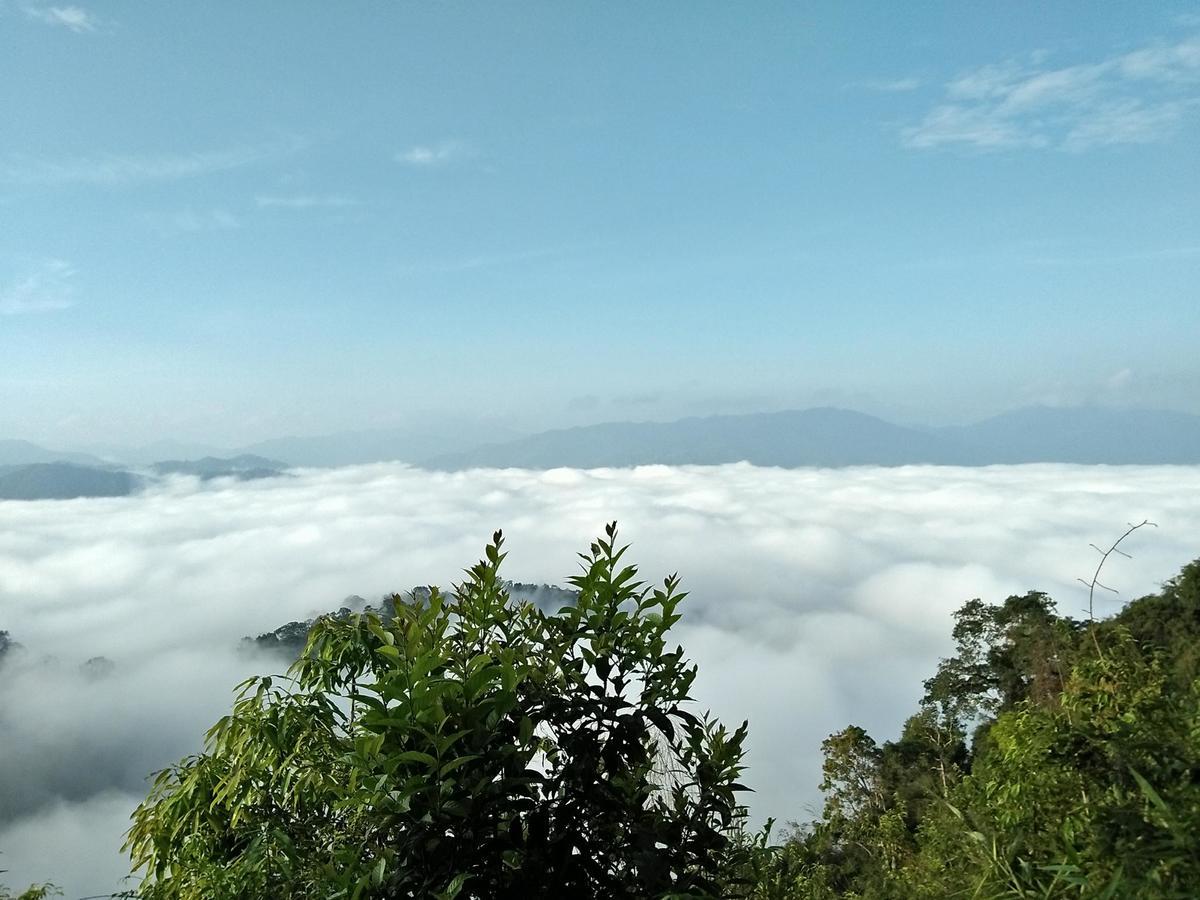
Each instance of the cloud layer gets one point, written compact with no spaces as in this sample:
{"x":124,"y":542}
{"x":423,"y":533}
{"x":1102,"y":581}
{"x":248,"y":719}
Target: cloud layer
{"x":1138,"y":97}
{"x":818,"y":598}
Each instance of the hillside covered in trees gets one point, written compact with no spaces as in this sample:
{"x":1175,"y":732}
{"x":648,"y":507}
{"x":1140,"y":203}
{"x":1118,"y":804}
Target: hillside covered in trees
{"x":1049,"y":758}
{"x":67,"y":480}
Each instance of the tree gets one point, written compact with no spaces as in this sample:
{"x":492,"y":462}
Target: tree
{"x":466,"y":746}
{"x":1005,"y":654}
{"x":33,"y":892}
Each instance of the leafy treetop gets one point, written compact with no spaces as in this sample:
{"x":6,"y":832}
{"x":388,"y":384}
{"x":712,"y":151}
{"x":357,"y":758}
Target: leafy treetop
{"x":467,"y":746}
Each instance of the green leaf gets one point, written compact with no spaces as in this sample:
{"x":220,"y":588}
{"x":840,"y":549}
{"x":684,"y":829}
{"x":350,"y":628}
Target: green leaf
{"x":417,"y":756}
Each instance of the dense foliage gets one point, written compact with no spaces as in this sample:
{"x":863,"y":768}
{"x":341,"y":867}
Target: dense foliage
{"x":471,"y":745}
{"x":1049,"y":758}
{"x":464,"y":746}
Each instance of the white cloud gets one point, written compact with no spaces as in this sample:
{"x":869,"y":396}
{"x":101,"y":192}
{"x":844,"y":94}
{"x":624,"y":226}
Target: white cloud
{"x":950,"y":124}
{"x":44,"y":289}
{"x":1127,"y":121}
{"x":75,"y":18}
{"x":817,"y":598}
{"x":305,"y":201}
{"x":432,"y":155}
{"x":122,"y":169}
{"x":1138,"y":97}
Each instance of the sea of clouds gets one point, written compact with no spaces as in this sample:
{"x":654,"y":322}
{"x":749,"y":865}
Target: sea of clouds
{"x":817,"y":598}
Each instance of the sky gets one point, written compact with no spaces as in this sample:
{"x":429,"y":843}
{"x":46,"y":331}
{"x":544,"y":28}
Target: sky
{"x":817,"y":598}
{"x":229,"y":222}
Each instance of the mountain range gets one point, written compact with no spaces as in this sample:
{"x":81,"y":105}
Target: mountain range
{"x":826,"y":436}
{"x":64,"y":481}
{"x":431,"y":436}
{"x":838,"y":437}
{"x":23,"y":453}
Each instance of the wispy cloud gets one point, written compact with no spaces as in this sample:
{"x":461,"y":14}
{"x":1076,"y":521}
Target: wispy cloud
{"x":305,"y":201}
{"x":45,"y":288}
{"x":112,"y":170}
{"x":431,"y":155}
{"x":74,"y":18}
{"x":1138,"y":97}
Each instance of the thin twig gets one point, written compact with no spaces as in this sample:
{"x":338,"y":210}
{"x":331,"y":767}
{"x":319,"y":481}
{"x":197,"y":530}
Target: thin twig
{"x":1096,"y":583}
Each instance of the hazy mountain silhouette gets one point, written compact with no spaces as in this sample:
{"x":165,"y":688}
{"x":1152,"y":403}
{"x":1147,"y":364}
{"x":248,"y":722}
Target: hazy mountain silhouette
{"x":836,"y":437}
{"x":152,"y":453}
{"x":1082,"y":435}
{"x":66,"y":481}
{"x":379,"y":445}
{"x":438,"y":434}
{"x":824,"y":436}
{"x":63,"y":481}
{"x":21,"y":453}
{"x":812,"y":437}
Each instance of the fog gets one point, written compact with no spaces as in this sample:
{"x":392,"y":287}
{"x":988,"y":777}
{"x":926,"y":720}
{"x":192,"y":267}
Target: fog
{"x":817,"y":598}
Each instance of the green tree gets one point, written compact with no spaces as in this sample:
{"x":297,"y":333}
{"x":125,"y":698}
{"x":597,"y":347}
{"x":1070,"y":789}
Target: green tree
{"x":1004,"y":654}
{"x":33,"y":892}
{"x":466,"y":746}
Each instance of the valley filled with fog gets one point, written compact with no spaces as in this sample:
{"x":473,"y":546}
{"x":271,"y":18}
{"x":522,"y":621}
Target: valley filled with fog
{"x":818,"y":597}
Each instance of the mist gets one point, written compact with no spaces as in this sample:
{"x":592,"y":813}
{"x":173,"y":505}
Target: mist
{"x":817,"y":598}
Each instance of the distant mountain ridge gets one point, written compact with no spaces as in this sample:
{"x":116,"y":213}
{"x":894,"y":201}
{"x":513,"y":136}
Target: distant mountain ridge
{"x":824,"y":437}
{"x":351,"y":448}
{"x":21,"y":453}
{"x":814,"y":437}
{"x":1081,"y":435}
{"x":830,"y":437}
{"x":68,"y":480}
{"x":64,"y":481}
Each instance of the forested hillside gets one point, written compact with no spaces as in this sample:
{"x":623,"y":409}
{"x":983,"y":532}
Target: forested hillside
{"x":1049,"y":758}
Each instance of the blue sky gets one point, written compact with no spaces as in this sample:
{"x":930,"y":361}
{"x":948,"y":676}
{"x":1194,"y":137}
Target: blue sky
{"x":227,"y":222}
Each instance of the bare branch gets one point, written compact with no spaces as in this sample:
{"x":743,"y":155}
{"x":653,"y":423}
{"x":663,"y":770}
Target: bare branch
{"x":1095,"y":582}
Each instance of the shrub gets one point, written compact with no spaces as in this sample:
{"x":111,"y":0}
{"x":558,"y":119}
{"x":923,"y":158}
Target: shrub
{"x":467,"y":746}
